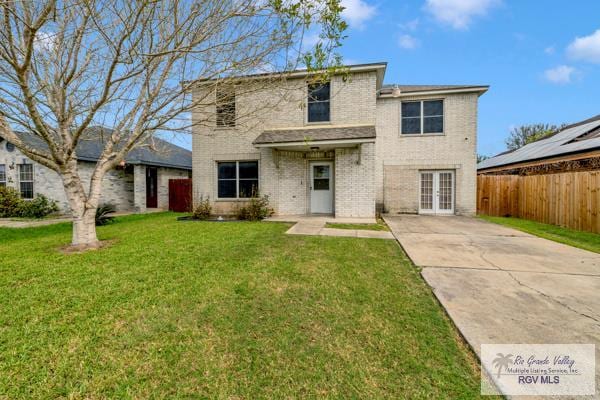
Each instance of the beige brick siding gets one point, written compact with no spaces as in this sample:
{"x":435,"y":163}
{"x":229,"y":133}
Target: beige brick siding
{"x":352,"y":102}
{"x":388,"y":174}
{"x":400,"y":158}
{"x":355,"y":181}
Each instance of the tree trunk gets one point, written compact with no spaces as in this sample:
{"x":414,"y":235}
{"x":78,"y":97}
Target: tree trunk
{"x":83,"y":206}
{"x":84,"y":229}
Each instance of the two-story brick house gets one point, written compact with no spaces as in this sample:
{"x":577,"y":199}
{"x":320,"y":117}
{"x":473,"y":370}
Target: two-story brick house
{"x":348,"y":146}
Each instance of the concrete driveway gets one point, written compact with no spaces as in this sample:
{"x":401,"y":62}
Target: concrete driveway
{"x":500,"y":285}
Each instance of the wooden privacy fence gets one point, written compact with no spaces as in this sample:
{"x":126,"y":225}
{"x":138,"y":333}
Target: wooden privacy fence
{"x":569,"y":199}
{"x":180,"y":195}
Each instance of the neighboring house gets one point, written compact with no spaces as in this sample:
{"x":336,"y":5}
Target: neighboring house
{"x":141,"y":183}
{"x":555,"y":180}
{"x":348,"y":147}
{"x":575,"y":147}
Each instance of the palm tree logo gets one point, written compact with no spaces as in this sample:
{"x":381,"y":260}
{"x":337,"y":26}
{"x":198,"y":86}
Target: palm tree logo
{"x":502,"y":361}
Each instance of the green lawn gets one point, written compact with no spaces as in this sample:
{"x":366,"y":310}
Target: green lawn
{"x":233,"y":310}
{"x":583,"y":240}
{"x":379,"y":226}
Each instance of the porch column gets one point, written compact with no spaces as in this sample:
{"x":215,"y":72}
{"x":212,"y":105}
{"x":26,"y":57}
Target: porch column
{"x":139,"y":188}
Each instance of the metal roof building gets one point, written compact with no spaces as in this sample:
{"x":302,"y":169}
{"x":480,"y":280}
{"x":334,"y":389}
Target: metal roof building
{"x":574,"y":142}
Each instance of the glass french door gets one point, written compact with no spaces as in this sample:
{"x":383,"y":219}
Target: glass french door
{"x":436,"y":192}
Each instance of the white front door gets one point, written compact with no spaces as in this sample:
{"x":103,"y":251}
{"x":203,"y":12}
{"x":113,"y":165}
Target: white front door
{"x":321,"y":187}
{"x":436,"y":192}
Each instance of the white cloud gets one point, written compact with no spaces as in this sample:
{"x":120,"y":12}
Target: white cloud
{"x":357,"y":12}
{"x":458,"y":13}
{"x":586,"y":48}
{"x":562,"y":74}
{"x":44,"y":41}
{"x":549,"y":50}
{"x":411,"y":25}
{"x":408,"y":42}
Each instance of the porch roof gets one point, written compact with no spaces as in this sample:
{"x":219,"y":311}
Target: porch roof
{"x":316,"y":134}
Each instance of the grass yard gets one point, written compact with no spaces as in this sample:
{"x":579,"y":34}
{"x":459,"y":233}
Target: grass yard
{"x":583,"y":240}
{"x":233,"y":310}
{"x":379,"y":226}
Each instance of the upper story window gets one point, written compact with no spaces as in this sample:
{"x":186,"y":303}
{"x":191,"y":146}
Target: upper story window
{"x":26,"y":180}
{"x":237,"y":179}
{"x":225,"y":107}
{"x":319,"y":102}
{"x":2,"y":175}
{"x":419,"y":117}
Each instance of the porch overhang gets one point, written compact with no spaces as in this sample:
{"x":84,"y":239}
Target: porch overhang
{"x":316,"y":138}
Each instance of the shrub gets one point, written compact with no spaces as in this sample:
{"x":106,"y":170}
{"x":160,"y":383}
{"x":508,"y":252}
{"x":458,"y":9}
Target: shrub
{"x":256,"y":209}
{"x":11,"y":203}
{"x":203,"y":209}
{"x":103,"y":216}
{"x":39,"y":207}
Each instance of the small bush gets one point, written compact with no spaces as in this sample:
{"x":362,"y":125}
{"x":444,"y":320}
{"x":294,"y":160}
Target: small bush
{"x":11,"y":203}
{"x":39,"y":207}
{"x":257,"y":209}
{"x":203,"y":209}
{"x":103,"y":216}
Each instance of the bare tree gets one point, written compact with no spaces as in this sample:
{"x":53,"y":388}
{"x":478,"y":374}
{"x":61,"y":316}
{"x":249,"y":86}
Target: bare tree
{"x":130,"y":65}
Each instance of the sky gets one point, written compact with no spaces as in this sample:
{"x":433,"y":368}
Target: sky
{"x":540,"y":58}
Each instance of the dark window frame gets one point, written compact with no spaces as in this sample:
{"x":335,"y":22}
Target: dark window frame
{"x":311,"y":100}
{"x":237,"y":179}
{"x":422,"y":117}
{"x":22,"y":181}
{"x":225,"y":114}
{"x":3,"y":175}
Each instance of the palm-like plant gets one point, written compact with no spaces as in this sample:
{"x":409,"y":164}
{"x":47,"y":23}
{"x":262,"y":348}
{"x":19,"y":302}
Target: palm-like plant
{"x":103,"y":216}
{"x":502,"y":361}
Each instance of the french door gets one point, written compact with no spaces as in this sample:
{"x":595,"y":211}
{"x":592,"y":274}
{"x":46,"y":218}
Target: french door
{"x":436,"y":192}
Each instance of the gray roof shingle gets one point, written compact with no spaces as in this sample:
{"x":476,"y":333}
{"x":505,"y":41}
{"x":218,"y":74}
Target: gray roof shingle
{"x":316,"y":134}
{"x":153,"y":151}
{"x":563,"y":142}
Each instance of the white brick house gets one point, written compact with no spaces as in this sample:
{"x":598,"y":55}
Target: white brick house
{"x":141,"y":183}
{"x":350,"y":146}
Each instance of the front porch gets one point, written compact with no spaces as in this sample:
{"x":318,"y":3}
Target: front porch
{"x":320,"y":172}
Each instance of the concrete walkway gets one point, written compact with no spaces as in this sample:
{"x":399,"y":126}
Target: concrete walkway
{"x":31,"y":223}
{"x":315,"y":226}
{"x":500,"y":285}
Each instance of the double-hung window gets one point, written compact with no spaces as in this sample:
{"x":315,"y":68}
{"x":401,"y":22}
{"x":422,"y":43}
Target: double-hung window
{"x":421,"y":117}
{"x":2,"y":175}
{"x":26,"y":180}
{"x":225,"y":106}
{"x":319,"y":102}
{"x":237,"y":179}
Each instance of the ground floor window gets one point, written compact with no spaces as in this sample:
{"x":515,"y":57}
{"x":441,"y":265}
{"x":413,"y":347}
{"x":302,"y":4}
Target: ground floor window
{"x":237,"y":179}
{"x":26,"y":180}
{"x":2,"y":175}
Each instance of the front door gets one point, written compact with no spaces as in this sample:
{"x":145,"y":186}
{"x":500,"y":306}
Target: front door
{"x":151,"y":188}
{"x":436,"y":192}
{"x":321,"y":187}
